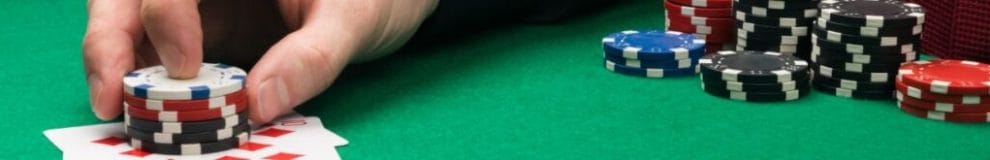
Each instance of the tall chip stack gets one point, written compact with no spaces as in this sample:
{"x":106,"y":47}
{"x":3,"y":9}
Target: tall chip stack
{"x":652,"y":53}
{"x":755,"y":76}
{"x":192,"y":116}
{"x":947,"y":90}
{"x":705,"y":19}
{"x":957,"y":29}
{"x":860,"y":44}
{"x":775,"y":25}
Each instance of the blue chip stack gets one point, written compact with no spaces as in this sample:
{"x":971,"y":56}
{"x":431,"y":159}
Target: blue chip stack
{"x":652,"y":53}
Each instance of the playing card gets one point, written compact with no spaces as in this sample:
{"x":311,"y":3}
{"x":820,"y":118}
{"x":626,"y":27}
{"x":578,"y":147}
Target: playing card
{"x":292,"y":137}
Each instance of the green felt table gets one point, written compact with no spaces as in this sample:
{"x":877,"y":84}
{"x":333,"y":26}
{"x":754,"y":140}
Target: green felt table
{"x":521,"y":91}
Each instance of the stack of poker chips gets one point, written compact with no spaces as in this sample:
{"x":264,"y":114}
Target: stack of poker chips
{"x":957,"y":29}
{"x":948,"y":90}
{"x":652,"y":53}
{"x":860,"y":44}
{"x":775,"y":25}
{"x":755,"y":76}
{"x":192,"y":116}
{"x":705,"y":19}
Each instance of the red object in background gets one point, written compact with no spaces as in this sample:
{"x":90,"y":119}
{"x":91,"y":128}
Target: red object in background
{"x":957,"y":29}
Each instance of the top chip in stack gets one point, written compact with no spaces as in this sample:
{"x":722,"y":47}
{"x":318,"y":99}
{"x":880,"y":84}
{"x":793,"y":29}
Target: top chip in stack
{"x":860,"y":44}
{"x":948,"y":90}
{"x":775,"y":25}
{"x":652,"y":53}
{"x":755,"y":76}
{"x":705,"y":19}
{"x":193,"y":116}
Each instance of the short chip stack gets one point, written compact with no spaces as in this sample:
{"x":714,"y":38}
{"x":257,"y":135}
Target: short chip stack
{"x":860,"y":44}
{"x":948,"y":90}
{"x":705,"y":19}
{"x":755,"y":76}
{"x":775,"y":25}
{"x":189,"y":116}
{"x":652,"y":53}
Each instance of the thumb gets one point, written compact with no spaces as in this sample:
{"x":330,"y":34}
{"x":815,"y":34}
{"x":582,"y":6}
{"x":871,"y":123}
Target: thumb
{"x":295,"y":69}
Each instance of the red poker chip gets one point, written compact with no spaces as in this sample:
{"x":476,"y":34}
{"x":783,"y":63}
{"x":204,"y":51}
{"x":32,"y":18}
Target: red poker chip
{"x":701,"y":21}
{"x":944,"y":116}
{"x":714,"y":38}
{"x":942,"y":107}
{"x":948,"y":76}
{"x":918,"y":93}
{"x":700,"y":12}
{"x":186,"y":105}
{"x":704,"y":3}
{"x":688,"y":28}
{"x":184,"y":116}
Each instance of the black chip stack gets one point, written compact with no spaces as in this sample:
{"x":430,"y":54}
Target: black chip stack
{"x":775,"y":25}
{"x":860,"y":44}
{"x":755,"y":76}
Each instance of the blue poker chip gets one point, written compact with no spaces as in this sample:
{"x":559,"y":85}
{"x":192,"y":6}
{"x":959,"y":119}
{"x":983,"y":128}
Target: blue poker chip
{"x":635,"y":63}
{"x":650,"y":72}
{"x":653,"y":45}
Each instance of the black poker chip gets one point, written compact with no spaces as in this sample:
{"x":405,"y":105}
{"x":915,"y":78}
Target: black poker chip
{"x":773,"y":30}
{"x":862,"y":49}
{"x":856,"y":67}
{"x":802,"y":48}
{"x":196,"y":137}
{"x":868,"y":31}
{"x":873,"y":13}
{"x":191,"y":148}
{"x":888,"y":41}
{"x":852,"y":84}
{"x":757,"y":96}
{"x":810,"y":12}
{"x":781,"y":4}
{"x":774,"y":21}
{"x":855,"y":94}
{"x":778,"y":39}
{"x":875,"y":77}
{"x":755,"y":87}
{"x":186,"y":127}
{"x":753,"y":66}
{"x":839,"y":56}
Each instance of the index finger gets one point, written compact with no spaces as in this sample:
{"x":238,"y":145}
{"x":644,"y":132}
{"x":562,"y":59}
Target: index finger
{"x":173,"y":26}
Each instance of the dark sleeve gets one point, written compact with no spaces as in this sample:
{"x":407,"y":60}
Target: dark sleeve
{"x":459,"y":17}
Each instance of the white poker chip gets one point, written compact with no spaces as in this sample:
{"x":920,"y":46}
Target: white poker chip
{"x":213,"y":80}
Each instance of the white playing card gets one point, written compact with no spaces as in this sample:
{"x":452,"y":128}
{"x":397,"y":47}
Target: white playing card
{"x":292,"y":136}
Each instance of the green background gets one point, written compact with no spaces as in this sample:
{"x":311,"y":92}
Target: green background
{"x":515,"y":92}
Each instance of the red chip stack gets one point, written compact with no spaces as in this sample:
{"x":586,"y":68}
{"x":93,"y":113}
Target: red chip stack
{"x":710,"y":20}
{"x":947,"y":90}
{"x":957,"y":29}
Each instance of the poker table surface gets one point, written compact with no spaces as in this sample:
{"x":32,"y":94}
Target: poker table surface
{"x":517,"y":91}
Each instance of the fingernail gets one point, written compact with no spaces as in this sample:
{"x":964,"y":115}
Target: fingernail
{"x":95,"y":91}
{"x":273,"y":96}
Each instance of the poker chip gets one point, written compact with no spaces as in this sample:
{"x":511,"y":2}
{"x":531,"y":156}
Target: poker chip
{"x":635,"y":63}
{"x":872,"y":13}
{"x":861,"y":49}
{"x":944,"y":116}
{"x":779,"y":4}
{"x":186,"y":127}
{"x":840,"y":56}
{"x":858,"y":67}
{"x":183,"y":116}
{"x":700,"y":21}
{"x":186,"y":105}
{"x":767,"y":12}
{"x":705,"y":3}
{"x":196,"y":137}
{"x":760,"y":45}
{"x":714,"y":38}
{"x":689,"y":28}
{"x":957,"y":77}
{"x":876,"y":77}
{"x":852,"y":84}
{"x":756,"y":96}
{"x":649,"y":72}
{"x":772,"y":30}
{"x":753,"y":66}
{"x":754,"y":87}
{"x":191,"y":148}
{"x":695,"y":11}
{"x":867,"y":31}
{"x":942,"y":107}
{"x":773,"y":21}
{"x":856,"y":94}
{"x":918,"y":93}
{"x":791,"y":40}
{"x":653,"y":45}
{"x":862,"y":40}
{"x":213,"y":80}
